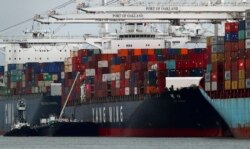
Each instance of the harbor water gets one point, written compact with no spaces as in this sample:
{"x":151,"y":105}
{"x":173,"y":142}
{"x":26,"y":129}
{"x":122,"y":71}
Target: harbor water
{"x":121,"y":143}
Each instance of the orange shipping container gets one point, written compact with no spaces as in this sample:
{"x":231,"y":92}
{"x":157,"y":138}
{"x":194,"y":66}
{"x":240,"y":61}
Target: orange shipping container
{"x":184,"y":51}
{"x":151,"y":52}
{"x":123,"y":52}
{"x":151,"y":90}
{"x":115,"y":68}
{"x":137,"y":52}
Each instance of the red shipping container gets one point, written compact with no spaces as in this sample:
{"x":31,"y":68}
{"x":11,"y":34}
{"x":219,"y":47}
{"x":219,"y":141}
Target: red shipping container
{"x":161,"y":89}
{"x":241,"y":64}
{"x":122,"y":92}
{"x":122,"y":83}
{"x":231,"y":27}
{"x":227,"y":56}
{"x":200,"y":63}
{"x":234,"y":56}
{"x":82,"y":52}
{"x":234,"y":65}
{"x":185,"y":73}
{"x":161,"y":82}
{"x":76,"y":60}
{"x":227,"y":46}
{"x":241,"y":54}
{"x":227,"y":65}
{"x":247,"y":73}
{"x":248,"y":53}
{"x":234,"y":75}
{"x":113,"y":85}
{"x":234,"y":46}
{"x":241,"y":44}
{"x":247,"y":61}
{"x":151,"y":58}
{"x":164,"y":52}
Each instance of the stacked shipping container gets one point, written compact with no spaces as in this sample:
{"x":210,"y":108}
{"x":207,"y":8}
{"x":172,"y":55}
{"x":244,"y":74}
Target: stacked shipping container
{"x":234,"y":68}
{"x":129,"y":72}
{"x":31,"y":78}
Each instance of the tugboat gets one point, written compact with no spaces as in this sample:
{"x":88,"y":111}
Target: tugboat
{"x":21,"y":127}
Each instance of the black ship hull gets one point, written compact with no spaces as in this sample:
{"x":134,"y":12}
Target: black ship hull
{"x":38,"y":106}
{"x":181,"y":113}
{"x":67,"y":129}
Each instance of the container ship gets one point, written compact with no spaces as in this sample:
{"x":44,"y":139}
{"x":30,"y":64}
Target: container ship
{"x":124,"y":93}
{"x":227,"y":79}
{"x":126,"y":85}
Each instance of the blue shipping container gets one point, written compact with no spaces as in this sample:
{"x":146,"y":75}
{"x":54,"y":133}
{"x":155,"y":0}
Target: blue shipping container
{"x":2,"y":69}
{"x":170,"y":64}
{"x":231,"y":36}
{"x":242,"y":25}
{"x":171,"y":73}
{"x":11,"y":67}
{"x":143,"y":58}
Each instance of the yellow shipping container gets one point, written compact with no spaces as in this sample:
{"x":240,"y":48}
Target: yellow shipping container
{"x":227,"y":85}
{"x":241,"y":74}
{"x":241,"y":84}
{"x":234,"y":85}
{"x":209,"y":41}
{"x":217,"y":57}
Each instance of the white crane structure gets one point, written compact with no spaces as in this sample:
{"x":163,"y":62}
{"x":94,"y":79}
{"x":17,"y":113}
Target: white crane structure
{"x":153,"y":13}
{"x":137,"y":17}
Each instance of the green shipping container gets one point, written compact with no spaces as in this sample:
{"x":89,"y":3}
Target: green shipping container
{"x":47,"y":77}
{"x":241,"y":35}
{"x":16,"y":78}
{"x":209,"y":67}
{"x":158,"y":51}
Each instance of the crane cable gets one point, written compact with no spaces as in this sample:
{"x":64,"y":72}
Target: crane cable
{"x":27,"y":20}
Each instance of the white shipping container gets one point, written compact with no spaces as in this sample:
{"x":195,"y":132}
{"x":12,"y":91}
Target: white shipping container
{"x":227,"y":75}
{"x":247,"y":34}
{"x":127,"y":74}
{"x":106,"y":77}
{"x":247,"y":83}
{"x":56,"y":89}
{"x":34,"y":90}
{"x":247,"y":43}
{"x":62,"y":75}
{"x":208,"y":86}
{"x":154,"y":67}
{"x":41,"y":83}
{"x":90,"y":72}
{"x":102,"y":64}
{"x":247,"y":24}
{"x":48,"y":83}
{"x":207,"y":77}
{"x":127,"y":91}
{"x":19,"y":66}
{"x":135,"y":91}
{"x":13,"y":85}
{"x":247,"y":14}
{"x":117,"y":84}
{"x":23,"y":84}
{"x":217,"y":40}
{"x":214,"y":86}
{"x":113,"y":76}
{"x":117,"y":76}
